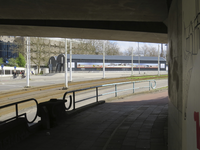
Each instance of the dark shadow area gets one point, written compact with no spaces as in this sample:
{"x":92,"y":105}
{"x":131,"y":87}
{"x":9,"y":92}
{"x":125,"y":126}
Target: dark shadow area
{"x":115,"y":125}
{"x":154,"y":27}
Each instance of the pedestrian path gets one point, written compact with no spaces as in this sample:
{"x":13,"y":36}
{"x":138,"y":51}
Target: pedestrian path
{"x":133,"y":123}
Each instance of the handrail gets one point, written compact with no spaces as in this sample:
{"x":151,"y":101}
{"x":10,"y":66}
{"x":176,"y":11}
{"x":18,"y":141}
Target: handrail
{"x":115,"y":84}
{"x":17,"y":113}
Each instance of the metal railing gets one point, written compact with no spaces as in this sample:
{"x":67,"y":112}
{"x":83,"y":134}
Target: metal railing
{"x":17,"y":112}
{"x":73,"y":101}
{"x":105,"y":85}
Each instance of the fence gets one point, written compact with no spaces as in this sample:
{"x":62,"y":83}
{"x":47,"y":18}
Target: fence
{"x":73,"y":101}
{"x":17,"y":112}
{"x":150,"y":85}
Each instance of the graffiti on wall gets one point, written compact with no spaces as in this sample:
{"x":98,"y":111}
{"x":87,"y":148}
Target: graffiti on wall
{"x":191,"y":55}
{"x":191,"y":47}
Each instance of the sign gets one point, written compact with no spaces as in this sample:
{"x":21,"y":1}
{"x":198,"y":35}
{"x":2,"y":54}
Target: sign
{"x":116,"y":65}
{"x":15,"y":67}
{"x":2,"y":66}
{"x":162,"y":65}
{"x":73,"y":65}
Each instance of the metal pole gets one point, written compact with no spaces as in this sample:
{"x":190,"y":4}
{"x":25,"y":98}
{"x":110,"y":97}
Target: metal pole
{"x":103,"y":59}
{"x":97,"y":95}
{"x":27,"y":62}
{"x":66,"y":79}
{"x":158,"y":60}
{"x":29,"y":57}
{"x":133,"y":87}
{"x":74,"y":101}
{"x":70,"y":61}
{"x":149,"y":85}
{"x":115,"y":90}
{"x":1,"y":72}
{"x":132,"y":64}
{"x":139,"y":58}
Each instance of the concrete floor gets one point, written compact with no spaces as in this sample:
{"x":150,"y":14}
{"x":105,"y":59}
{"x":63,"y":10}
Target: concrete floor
{"x":132,"y":123}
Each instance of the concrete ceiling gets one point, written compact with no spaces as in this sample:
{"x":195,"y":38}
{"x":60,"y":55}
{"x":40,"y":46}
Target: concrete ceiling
{"x":126,"y":20}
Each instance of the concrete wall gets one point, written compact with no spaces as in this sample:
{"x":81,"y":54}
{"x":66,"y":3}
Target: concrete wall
{"x":191,"y":74}
{"x":184,"y":75}
{"x":175,"y":75}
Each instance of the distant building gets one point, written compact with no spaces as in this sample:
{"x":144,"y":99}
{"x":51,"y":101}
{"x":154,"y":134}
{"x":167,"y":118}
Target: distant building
{"x":112,"y":63}
{"x":6,"y":47}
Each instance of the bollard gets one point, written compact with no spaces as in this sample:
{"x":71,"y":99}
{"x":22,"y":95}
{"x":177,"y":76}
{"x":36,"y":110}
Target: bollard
{"x":115,"y":90}
{"x":97,"y":94}
{"x":149,"y":85}
{"x":133,"y":87}
{"x":74,"y":101}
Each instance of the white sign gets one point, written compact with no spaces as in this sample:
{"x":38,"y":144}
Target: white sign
{"x":162,"y":65}
{"x":73,"y":65}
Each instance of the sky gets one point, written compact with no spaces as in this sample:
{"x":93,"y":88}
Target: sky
{"x":124,"y":45}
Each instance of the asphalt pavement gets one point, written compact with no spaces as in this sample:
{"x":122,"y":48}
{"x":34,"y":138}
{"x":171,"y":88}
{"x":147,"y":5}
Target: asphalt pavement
{"x":8,"y":83}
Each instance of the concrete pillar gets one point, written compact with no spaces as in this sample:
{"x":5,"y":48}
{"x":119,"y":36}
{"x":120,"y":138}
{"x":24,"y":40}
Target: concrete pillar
{"x":184,"y":75}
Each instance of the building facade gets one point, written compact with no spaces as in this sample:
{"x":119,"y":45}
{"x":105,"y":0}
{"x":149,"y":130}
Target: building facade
{"x":6,"y":47}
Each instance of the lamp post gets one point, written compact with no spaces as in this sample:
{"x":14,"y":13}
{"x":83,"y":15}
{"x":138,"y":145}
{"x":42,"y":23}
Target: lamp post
{"x":139,"y":57}
{"x":27,"y":61}
{"x":103,"y":59}
{"x":70,"y":60}
{"x":132,"y":63}
{"x":66,"y":78}
{"x":158,"y":60}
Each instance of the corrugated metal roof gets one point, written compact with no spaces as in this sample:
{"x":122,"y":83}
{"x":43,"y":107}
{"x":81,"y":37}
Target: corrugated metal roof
{"x":100,"y":57}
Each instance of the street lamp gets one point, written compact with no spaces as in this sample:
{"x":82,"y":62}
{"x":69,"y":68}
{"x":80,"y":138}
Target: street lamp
{"x":132,"y":63}
{"x":27,"y":62}
{"x":66,"y":79}
{"x":158,"y":60}
{"x":104,"y":59}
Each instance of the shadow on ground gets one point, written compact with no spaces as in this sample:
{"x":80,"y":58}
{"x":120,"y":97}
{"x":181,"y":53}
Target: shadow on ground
{"x":119,"y":125}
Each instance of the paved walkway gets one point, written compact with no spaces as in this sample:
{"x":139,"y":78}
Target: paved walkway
{"x":133,"y":123}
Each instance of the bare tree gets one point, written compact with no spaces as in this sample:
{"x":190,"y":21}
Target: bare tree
{"x":112,"y":48}
{"x":95,"y":47}
{"x":128,"y":52}
{"x":149,"y":50}
{"x":39,"y":52}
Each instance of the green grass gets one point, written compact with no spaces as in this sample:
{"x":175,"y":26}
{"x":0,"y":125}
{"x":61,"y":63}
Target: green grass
{"x":145,"y":77}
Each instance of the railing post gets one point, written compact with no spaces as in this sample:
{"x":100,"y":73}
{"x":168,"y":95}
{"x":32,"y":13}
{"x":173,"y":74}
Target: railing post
{"x":149,"y":85}
{"x":16,"y":108}
{"x":97,"y":94}
{"x":74,"y":101}
{"x":115,"y":90}
{"x":133,"y":87}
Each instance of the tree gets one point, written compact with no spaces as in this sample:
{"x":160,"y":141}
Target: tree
{"x":112,"y":48}
{"x":19,"y":46}
{"x":128,"y":52}
{"x":1,"y":61}
{"x":39,"y":52}
{"x":12,"y":62}
{"x":21,"y":60}
{"x":95,"y":47}
{"x":144,"y":50}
